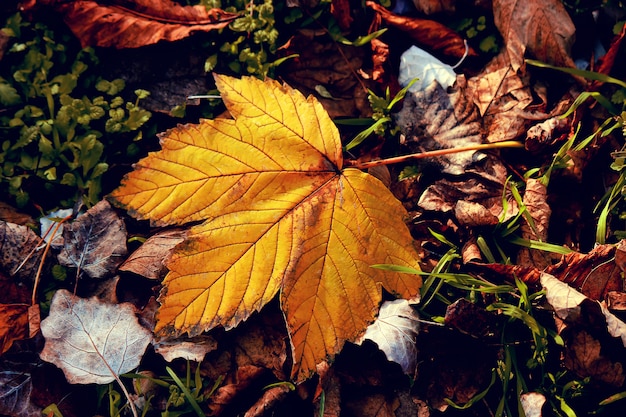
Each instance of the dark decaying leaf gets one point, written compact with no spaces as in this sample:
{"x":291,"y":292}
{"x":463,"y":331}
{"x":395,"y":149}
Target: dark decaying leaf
{"x":16,"y":243}
{"x":541,"y":29}
{"x":327,"y":65}
{"x":131,"y":24}
{"x":91,"y":341}
{"x":253,"y":352}
{"x":429,"y":33}
{"x":471,"y":319}
{"x":16,"y":385}
{"x":395,"y":332}
{"x":149,"y":260}
{"x":95,"y":242}
{"x":435,"y":6}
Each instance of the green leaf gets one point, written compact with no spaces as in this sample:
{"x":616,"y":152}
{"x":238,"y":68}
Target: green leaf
{"x":8,"y":94}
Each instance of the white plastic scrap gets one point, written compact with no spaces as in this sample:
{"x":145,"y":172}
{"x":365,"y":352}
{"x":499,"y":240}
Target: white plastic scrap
{"x":417,"y":63}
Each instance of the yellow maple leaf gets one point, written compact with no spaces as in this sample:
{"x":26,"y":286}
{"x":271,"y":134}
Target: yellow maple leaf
{"x":280,"y":215}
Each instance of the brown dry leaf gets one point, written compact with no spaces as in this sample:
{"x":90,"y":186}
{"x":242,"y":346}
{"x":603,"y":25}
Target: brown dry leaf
{"x":13,"y":324}
{"x":583,"y":356}
{"x":435,"y":119}
{"x":607,"y":61}
{"x":95,"y":242}
{"x":502,"y":97}
{"x":149,"y":260}
{"x":227,"y":394}
{"x":136,"y":23}
{"x":322,"y":63}
{"x":471,"y":319}
{"x":258,"y":344}
{"x":91,"y":341}
{"x":10,"y":214}
{"x":429,"y":33}
{"x":374,"y":405}
{"x":534,"y":199}
{"x":270,"y":398}
{"x":340,"y":10}
{"x":18,"y":246}
{"x":541,"y":28}
{"x":435,"y":6}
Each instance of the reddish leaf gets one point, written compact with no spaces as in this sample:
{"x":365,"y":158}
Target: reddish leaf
{"x":607,"y":61}
{"x":429,"y":33}
{"x":13,"y":324}
{"x":595,"y":274}
{"x":126,"y":24}
{"x":340,"y":10}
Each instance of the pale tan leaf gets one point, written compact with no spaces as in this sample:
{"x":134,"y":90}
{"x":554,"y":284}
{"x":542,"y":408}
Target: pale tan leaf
{"x":91,"y":341}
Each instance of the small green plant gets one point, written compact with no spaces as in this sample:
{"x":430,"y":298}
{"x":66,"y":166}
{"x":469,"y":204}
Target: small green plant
{"x":480,"y":30}
{"x":176,"y":396}
{"x":380,"y":123}
{"x":249,"y":45}
{"x":60,"y":124}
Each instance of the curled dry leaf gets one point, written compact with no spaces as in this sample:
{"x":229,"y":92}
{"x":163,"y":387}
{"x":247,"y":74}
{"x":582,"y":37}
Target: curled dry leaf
{"x":535,"y":200}
{"x":541,"y":28}
{"x":281,"y":215}
{"x":428,"y":33}
{"x":95,"y":242}
{"x":131,"y":24}
{"x":395,"y":332}
{"x":193,"y":349}
{"x":149,"y":260}
{"x":91,"y":341}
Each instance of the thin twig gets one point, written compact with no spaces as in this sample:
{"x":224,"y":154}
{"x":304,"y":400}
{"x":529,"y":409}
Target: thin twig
{"x":431,"y":154}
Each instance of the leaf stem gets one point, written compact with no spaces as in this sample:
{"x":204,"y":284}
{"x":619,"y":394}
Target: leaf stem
{"x":432,"y":154}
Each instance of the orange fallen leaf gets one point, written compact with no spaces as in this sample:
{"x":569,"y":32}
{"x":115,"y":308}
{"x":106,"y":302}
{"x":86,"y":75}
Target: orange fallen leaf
{"x":280,"y":213}
{"x":13,"y":324}
{"x":131,"y":24}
